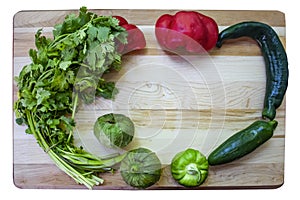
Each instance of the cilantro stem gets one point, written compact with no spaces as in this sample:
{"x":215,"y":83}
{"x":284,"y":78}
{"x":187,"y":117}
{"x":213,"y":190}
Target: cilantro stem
{"x":75,"y":102}
{"x":74,"y":105}
{"x":81,"y":64}
{"x":68,"y":169}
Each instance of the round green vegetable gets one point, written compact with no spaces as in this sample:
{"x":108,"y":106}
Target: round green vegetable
{"x":141,"y":168}
{"x":114,"y":130}
{"x":189,"y":168}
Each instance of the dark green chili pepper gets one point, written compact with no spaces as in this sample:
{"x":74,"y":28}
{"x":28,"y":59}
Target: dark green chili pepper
{"x":275,"y":59}
{"x":243,"y":142}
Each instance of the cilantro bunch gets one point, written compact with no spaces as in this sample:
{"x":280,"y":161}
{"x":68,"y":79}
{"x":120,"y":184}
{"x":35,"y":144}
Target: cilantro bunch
{"x":67,"y":70}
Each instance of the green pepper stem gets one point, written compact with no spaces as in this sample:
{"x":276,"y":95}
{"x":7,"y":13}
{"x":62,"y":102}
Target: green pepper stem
{"x":273,"y":123}
{"x":193,"y":170}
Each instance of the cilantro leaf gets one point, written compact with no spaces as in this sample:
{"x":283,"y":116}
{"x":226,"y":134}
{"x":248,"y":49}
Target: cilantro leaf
{"x":42,"y":95}
{"x":103,"y":33}
{"x":64,"y":65}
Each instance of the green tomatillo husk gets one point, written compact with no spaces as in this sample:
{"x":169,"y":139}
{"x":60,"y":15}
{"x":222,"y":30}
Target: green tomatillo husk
{"x":114,"y":130}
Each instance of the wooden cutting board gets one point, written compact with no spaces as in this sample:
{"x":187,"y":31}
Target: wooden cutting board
{"x":174,"y":101}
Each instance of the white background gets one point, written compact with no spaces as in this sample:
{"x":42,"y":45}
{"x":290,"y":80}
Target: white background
{"x":289,"y":7}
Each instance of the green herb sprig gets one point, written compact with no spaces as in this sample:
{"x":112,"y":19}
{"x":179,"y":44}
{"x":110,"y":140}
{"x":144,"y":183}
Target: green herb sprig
{"x":67,"y":70}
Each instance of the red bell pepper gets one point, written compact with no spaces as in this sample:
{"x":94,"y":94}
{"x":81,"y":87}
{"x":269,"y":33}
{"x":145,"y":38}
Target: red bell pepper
{"x":186,"y":30}
{"x":135,"y":39}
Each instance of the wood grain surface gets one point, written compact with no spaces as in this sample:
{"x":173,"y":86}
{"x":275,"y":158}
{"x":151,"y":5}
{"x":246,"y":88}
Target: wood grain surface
{"x":175,"y":103}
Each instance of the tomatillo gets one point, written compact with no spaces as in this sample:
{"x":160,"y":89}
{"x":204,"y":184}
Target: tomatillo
{"x":189,"y":168}
{"x":141,"y":168}
{"x":114,"y":130}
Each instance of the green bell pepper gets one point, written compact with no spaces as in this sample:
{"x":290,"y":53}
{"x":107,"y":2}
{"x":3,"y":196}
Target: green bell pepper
{"x":189,"y":168}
